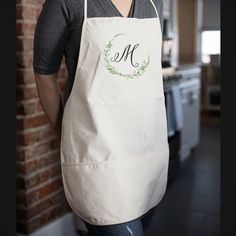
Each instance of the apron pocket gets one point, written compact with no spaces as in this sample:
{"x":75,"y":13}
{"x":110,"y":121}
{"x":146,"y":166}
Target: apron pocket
{"x":116,"y":191}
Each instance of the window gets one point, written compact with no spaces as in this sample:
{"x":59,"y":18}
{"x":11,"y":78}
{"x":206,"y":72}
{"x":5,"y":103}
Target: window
{"x":210,"y":44}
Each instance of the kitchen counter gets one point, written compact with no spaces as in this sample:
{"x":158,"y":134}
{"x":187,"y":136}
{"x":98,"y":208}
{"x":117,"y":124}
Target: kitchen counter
{"x":181,"y":74}
{"x":188,"y":66}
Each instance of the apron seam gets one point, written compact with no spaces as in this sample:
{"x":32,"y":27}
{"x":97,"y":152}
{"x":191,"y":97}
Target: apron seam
{"x":99,"y":163}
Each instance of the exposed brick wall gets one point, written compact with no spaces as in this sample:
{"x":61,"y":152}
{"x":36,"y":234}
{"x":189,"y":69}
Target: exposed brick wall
{"x":40,"y":196}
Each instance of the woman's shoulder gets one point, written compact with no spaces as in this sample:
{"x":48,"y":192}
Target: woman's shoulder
{"x":68,"y":4}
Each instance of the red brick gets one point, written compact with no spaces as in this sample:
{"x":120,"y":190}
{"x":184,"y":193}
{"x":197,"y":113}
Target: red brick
{"x":43,"y":176}
{"x":31,"y":122}
{"x":55,"y":170}
{"x":25,"y":44}
{"x":42,"y":193}
{"x":24,"y":93}
{"x":25,"y":76}
{"x":50,"y":188}
{"x":27,"y":153}
{"x":31,"y":198}
{"x":50,"y":159}
{"x":58,"y":198}
{"x":27,"y":167}
{"x":26,"y":12}
{"x":39,"y":150}
{"x":39,"y":208}
{"x":25,"y":28}
{"x":31,"y":166}
{"x":29,"y":213}
{"x":27,"y":107}
{"x":32,"y":137}
{"x":29,"y":182}
{"x":55,"y":200}
{"x":33,"y":2}
{"x":24,"y":60}
{"x":25,"y":139}
{"x":55,"y":143}
{"x":39,"y":184}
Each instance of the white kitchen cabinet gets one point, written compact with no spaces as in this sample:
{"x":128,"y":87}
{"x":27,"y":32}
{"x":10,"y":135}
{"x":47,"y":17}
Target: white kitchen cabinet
{"x":190,"y":95}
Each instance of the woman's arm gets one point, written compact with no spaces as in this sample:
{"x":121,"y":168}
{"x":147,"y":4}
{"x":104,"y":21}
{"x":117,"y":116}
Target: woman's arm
{"x":50,"y":99}
{"x":49,"y":42}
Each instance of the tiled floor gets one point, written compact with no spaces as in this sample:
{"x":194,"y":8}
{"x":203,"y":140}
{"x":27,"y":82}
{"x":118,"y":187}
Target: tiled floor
{"x":191,"y":205}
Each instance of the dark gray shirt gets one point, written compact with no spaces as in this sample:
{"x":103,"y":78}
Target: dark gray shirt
{"x":58,"y":31}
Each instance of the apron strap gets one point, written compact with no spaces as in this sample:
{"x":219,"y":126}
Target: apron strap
{"x":85,"y":9}
{"x":154,"y":7}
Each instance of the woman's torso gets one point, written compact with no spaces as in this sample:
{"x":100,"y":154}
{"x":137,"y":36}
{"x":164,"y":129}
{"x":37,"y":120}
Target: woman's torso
{"x":64,"y":31}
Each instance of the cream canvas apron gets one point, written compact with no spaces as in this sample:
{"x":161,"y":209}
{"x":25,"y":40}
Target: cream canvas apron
{"x":114,"y":147}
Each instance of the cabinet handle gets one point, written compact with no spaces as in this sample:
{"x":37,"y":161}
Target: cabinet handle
{"x":192,"y":97}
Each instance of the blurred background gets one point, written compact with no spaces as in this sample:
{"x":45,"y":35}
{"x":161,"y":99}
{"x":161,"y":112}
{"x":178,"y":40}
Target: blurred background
{"x":191,"y":74}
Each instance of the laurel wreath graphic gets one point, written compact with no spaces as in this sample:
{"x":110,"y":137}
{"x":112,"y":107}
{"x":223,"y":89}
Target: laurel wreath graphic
{"x":136,"y":73}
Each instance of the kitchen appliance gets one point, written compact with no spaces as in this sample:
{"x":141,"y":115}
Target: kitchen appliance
{"x":171,"y":79}
{"x":190,"y":98}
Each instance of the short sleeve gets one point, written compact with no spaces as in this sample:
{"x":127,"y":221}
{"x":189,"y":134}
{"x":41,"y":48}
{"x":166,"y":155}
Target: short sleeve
{"x":50,"y":37}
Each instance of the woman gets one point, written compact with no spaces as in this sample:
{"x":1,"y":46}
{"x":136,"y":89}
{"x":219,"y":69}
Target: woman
{"x":114,"y":149}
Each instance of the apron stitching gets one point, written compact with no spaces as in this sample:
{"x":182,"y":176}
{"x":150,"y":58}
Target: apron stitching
{"x":98,"y":163}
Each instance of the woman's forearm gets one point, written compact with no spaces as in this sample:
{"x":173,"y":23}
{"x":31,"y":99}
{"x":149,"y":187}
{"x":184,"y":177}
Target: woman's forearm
{"x":50,"y":99}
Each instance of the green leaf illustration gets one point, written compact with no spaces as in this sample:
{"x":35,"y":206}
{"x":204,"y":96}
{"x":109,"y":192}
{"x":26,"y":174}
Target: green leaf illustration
{"x":137,"y":73}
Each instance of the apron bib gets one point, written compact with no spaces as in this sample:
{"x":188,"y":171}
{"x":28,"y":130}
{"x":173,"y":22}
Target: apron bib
{"x":114,"y":145}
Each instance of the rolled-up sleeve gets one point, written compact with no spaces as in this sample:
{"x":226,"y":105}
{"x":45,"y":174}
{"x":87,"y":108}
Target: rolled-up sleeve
{"x":50,"y":37}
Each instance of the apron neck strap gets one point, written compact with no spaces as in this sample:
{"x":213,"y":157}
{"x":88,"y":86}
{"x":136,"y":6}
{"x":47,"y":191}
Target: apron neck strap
{"x":86,"y":6}
{"x":154,"y":7}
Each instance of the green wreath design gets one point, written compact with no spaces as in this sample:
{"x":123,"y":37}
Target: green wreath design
{"x":138,"y":72}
